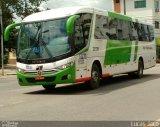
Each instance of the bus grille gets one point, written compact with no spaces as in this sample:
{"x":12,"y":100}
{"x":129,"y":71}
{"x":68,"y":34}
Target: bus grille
{"x":43,"y":72}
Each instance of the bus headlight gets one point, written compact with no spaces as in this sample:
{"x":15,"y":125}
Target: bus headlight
{"x":20,"y":70}
{"x":65,"y":66}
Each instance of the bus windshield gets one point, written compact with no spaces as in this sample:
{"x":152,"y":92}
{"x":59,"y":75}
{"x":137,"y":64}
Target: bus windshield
{"x":45,"y":40}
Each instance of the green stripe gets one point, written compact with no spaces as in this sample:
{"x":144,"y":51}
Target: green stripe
{"x":136,"y":51}
{"x":117,"y":52}
{"x":119,"y":16}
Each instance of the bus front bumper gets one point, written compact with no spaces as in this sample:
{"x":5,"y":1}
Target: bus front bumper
{"x":60,"y":77}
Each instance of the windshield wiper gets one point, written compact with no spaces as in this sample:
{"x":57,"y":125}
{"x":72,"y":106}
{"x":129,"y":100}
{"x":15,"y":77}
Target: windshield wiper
{"x":38,"y":42}
{"x":35,"y":43}
{"x":44,"y":44}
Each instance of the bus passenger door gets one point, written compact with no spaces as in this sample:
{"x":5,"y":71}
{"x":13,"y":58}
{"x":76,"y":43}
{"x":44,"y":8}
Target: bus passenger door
{"x":81,"y":37}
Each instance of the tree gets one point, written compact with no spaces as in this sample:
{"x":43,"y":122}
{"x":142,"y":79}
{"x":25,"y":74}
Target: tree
{"x":20,"y":8}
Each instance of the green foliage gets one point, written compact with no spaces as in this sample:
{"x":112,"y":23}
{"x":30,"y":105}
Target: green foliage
{"x":21,"y":8}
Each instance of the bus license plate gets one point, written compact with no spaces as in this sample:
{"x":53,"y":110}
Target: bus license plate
{"x":39,"y":78}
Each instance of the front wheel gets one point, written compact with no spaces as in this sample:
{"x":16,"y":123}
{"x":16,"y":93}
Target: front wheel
{"x":49,"y":87}
{"x":95,"y":77}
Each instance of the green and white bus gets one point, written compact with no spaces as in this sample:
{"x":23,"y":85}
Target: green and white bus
{"x":81,"y":44}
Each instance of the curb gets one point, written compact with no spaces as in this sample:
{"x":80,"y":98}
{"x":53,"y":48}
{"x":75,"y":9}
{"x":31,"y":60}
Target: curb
{"x":11,"y":74}
{"x":6,"y":76}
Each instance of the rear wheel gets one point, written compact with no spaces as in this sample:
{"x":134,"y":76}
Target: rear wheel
{"x":95,"y":77}
{"x":139,"y":73}
{"x":49,"y":87}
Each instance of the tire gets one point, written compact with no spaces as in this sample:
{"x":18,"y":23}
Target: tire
{"x":49,"y":87}
{"x":95,"y":77}
{"x":139,"y":73}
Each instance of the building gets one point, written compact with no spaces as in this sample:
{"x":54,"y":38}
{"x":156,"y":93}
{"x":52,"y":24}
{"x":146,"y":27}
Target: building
{"x":145,"y":10}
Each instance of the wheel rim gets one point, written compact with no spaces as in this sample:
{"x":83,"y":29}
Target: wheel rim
{"x":95,"y":76}
{"x":141,"y":71}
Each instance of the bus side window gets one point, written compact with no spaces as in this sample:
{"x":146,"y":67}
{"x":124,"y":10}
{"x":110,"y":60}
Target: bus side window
{"x":125,"y":28}
{"x":146,"y":32}
{"x":144,"y":37}
{"x":122,"y":29}
{"x":82,"y":29}
{"x":151,"y":33}
{"x":139,"y":30}
{"x":101,"y":27}
{"x":119,"y":30}
{"x":113,"y":28}
{"x":86,"y":24}
{"x":78,"y":36}
{"x":133,"y":32}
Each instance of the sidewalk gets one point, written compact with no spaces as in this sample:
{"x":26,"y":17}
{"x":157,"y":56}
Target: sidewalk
{"x":9,"y":69}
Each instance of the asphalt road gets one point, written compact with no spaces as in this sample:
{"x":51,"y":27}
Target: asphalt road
{"x":119,"y":98}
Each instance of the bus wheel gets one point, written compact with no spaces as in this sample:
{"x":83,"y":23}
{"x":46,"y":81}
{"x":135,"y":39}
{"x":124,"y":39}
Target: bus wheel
{"x":49,"y":87}
{"x":139,"y":73}
{"x":95,"y":77}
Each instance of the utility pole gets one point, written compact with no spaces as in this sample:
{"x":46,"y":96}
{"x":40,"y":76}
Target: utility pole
{"x":2,"y":52}
{"x":124,"y":1}
{"x":25,"y":5}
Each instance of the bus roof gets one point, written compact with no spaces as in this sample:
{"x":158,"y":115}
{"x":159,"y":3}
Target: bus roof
{"x":57,"y":13}
{"x":68,"y":11}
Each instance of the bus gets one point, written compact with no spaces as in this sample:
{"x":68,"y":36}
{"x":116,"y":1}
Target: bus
{"x":81,"y":44}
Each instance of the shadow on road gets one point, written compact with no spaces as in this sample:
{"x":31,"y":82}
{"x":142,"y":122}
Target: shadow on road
{"x":107,"y":85}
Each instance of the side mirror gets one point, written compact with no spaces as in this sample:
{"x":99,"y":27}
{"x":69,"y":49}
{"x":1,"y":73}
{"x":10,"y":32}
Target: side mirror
{"x":70,"y":24}
{"x":7,"y":30}
{"x":70,"y":27}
